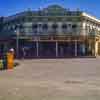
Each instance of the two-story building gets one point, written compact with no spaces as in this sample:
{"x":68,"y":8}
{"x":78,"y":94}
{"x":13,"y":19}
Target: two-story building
{"x":53,"y":32}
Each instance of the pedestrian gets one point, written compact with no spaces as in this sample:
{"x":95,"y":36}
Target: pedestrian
{"x":24,"y":52}
{"x":11,"y":50}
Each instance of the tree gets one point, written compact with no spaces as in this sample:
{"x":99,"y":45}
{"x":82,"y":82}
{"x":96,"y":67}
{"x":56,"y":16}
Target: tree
{"x":1,"y":23}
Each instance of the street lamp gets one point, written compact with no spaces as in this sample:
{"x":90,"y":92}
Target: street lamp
{"x":17,"y":42}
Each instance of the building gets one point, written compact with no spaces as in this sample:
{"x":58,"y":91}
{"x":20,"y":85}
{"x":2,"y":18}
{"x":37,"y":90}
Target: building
{"x":52,"y":32}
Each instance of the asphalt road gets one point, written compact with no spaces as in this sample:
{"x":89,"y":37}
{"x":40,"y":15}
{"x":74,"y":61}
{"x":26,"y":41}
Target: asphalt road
{"x":52,"y":79}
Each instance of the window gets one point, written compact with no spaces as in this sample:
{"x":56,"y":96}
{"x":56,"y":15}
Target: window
{"x":11,"y":28}
{"x":15,"y":27}
{"x":39,"y":25}
{"x":34,"y":26}
{"x":45,"y":26}
{"x":93,"y":32}
{"x":74,"y":26}
{"x":64,"y":26}
{"x":69,"y":25}
{"x":21,"y":27}
{"x":54,"y":26}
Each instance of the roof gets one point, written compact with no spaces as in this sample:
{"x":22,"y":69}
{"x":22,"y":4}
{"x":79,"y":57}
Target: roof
{"x":53,"y":10}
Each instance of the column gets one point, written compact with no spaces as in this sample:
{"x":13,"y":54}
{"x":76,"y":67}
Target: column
{"x":56,"y":48}
{"x":90,"y":48}
{"x":75,"y":48}
{"x":37,"y":48}
{"x":96,"y":48}
{"x":83,"y":49}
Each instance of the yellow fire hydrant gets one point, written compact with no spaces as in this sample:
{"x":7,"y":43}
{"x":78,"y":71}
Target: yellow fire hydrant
{"x":10,"y":60}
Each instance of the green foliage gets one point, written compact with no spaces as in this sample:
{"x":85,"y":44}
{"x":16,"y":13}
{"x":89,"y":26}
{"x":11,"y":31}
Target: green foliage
{"x":1,"y":23}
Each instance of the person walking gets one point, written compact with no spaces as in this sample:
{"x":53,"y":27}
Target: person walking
{"x":24,"y":52}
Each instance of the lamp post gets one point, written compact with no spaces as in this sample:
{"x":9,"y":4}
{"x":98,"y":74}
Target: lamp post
{"x":17,"y":43}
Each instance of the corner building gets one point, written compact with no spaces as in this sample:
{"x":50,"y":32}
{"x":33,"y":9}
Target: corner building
{"x":54,"y":32}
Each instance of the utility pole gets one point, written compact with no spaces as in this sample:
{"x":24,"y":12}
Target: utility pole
{"x":17,"y":43}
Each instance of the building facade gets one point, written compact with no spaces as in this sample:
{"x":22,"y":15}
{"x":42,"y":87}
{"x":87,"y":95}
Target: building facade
{"x":52,"y":32}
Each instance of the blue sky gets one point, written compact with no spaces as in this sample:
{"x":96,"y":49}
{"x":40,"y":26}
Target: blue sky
{"x":9,"y":7}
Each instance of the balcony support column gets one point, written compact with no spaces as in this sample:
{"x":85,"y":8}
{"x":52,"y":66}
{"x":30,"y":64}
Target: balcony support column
{"x":37,"y":48}
{"x":56,"y":48}
{"x":75,"y":48}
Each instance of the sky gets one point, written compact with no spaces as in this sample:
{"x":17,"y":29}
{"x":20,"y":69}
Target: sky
{"x":10,"y":7}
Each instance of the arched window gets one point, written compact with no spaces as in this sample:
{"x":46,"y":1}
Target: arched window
{"x":34,"y":26}
{"x":39,"y":25}
{"x":21,"y":26}
{"x":11,"y":28}
{"x":74,"y":26}
{"x":45,"y":26}
{"x":64,"y":26}
{"x":17,"y":26}
{"x":54,"y":26}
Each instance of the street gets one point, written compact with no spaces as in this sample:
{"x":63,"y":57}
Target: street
{"x":52,"y":79}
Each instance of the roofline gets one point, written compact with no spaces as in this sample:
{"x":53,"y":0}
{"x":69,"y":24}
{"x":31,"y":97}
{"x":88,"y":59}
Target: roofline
{"x":84,"y":14}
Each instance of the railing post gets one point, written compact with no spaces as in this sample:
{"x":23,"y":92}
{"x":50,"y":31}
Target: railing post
{"x":37,"y":48}
{"x":56,"y":48}
{"x":75,"y":48}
